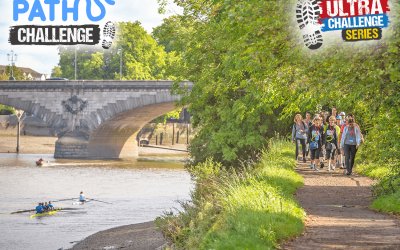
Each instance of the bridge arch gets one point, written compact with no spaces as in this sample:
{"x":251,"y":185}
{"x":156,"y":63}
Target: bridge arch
{"x":92,"y":119}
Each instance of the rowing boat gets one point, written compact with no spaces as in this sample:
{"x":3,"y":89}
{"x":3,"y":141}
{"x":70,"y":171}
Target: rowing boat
{"x":33,"y":210}
{"x":78,"y":202}
{"x":48,"y":213}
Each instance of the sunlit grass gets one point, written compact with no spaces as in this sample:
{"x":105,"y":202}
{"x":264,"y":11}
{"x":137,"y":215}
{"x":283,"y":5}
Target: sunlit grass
{"x":375,"y":171}
{"x":254,"y":209}
{"x":388,"y":203}
{"x":387,"y":190}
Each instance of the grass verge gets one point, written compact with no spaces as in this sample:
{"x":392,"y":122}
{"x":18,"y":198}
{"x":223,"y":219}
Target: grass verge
{"x":387,"y":190}
{"x":249,"y":209}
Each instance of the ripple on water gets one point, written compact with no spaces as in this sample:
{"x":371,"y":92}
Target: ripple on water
{"x":139,"y":191}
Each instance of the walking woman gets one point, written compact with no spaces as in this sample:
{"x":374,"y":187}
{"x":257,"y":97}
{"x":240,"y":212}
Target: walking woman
{"x":351,"y":140}
{"x":299,"y":135}
{"x":308,"y":122}
{"x":316,"y":140}
{"x":332,"y":135}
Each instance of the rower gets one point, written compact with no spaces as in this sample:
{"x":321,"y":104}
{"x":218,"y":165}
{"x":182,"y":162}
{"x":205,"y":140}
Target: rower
{"x":82,"y":197}
{"x":39,"y":208}
{"x":46,"y":206}
{"x":50,"y":206}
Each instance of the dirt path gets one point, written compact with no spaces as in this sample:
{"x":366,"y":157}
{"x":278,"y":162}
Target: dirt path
{"x":338,"y":216}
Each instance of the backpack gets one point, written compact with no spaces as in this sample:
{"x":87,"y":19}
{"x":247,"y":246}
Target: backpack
{"x":314,"y":144}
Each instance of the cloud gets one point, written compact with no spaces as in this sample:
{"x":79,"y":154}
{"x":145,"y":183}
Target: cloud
{"x":44,"y":58}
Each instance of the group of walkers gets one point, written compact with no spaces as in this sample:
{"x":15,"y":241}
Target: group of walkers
{"x":44,"y":207}
{"x":330,"y":136}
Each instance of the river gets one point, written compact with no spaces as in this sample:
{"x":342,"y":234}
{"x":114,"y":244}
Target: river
{"x":138,"y":190}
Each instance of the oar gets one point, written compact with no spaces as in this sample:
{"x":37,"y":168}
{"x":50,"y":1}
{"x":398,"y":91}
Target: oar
{"x":64,"y":199}
{"x":99,"y":201}
{"x":23,"y":211}
{"x":68,"y":208}
{"x":32,"y":210}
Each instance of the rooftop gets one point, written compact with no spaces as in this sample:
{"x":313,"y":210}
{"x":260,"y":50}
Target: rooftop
{"x":27,"y":71}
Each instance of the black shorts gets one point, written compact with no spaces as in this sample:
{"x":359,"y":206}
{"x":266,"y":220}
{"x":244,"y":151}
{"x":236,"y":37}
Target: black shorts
{"x":330,"y":153}
{"x":314,"y":153}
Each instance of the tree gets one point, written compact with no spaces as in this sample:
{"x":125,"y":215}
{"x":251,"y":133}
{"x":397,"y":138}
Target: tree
{"x":56,"y":71}
{"x":170,"y":33}
{"x":17,"y":73}
{"x":252,"y":75}
{"x":227,"y":55}
{"x":93,"y":68}
{"x":142,"y":57}
{"x":4,"y":76}
{"x":67,"y":61}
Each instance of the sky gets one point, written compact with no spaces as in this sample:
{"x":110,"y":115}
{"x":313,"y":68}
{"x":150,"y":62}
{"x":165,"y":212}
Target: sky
{"x":43,"y":58}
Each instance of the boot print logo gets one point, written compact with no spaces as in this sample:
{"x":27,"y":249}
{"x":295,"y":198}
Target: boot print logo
{"x":108,"y":35}
{"x":307,"y":15}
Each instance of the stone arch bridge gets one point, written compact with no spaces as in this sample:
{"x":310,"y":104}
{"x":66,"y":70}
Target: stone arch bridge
{"x":92,"y":119}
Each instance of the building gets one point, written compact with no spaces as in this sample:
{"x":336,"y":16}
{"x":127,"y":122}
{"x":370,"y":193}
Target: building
{"x":28,"y":73}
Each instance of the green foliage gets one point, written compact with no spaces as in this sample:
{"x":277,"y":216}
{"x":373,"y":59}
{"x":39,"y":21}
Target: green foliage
{"x":228,"y":60}
{"x":142,"y":58}
{"x":18,"y":73}
{"x":67,"y":63}
{"x":56,"y":71}
{"x":4,"y":77}
{"x":252,"y":74}
{"x":6,"y":110}
{"x":387,"y":190}
{"x":250,"y":209}
{"x":388,"y":203}
{"x":169,"y":34}
{"x":174,"y":114}
{"x":372,"y":170}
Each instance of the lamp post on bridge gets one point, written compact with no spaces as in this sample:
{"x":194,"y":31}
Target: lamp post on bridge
{"x":75,"y":63}
{"x":19,"y":114}
{"x":120,"y":63}
{"x":12,"y":57}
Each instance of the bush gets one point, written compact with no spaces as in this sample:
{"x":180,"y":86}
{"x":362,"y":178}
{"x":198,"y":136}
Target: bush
{"x":6,"y":110}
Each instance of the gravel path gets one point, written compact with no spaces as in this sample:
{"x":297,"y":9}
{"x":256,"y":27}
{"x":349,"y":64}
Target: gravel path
{"x":338,"y":216}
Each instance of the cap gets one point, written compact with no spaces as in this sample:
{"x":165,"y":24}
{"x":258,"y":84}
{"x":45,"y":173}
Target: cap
{"x":342,"y":114}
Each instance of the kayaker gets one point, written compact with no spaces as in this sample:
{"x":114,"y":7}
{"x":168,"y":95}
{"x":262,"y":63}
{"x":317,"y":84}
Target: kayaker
{"x":82,"y":197}
{"x":39,"y":162}
{"x":39,"y":208}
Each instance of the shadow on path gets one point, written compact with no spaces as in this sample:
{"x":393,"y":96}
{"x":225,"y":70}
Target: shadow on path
{"x":338,"y":216}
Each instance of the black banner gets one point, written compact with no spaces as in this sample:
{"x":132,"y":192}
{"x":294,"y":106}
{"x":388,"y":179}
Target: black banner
{"x":362,"y":34}
{"x":54,"y":35}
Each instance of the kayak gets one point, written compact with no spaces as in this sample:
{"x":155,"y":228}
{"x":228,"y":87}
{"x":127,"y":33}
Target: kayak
{"x":48,"y":213}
